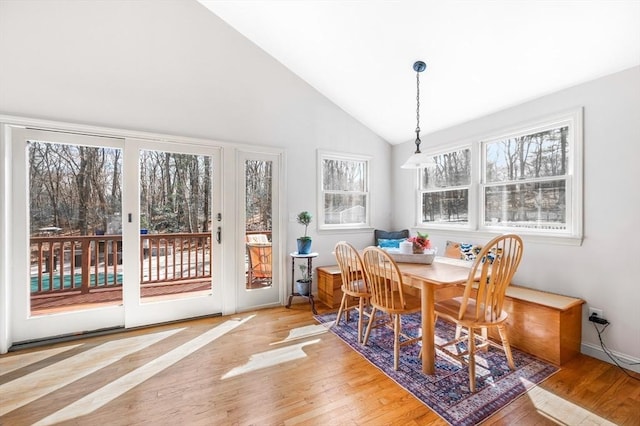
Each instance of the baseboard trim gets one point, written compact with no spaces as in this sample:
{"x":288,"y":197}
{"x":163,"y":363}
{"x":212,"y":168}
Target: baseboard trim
{"x":598,"y":353}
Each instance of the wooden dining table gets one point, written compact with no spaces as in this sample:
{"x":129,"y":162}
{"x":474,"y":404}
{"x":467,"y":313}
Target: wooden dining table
{"x":443,"y":272}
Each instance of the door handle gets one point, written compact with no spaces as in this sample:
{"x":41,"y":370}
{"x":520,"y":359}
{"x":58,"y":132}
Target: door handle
{"x":219,"y":235}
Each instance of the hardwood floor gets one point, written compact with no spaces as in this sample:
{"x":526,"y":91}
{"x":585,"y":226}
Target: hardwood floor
{"x":238,"y":370}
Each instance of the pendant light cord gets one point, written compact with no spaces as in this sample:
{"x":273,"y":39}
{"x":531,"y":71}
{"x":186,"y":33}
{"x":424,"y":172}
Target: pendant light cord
{"x":418,"y":113}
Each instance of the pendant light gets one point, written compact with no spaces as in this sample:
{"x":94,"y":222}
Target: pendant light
{"x":418,"y":159}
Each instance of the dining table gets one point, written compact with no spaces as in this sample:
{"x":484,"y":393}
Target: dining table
{"x":441,"y":273}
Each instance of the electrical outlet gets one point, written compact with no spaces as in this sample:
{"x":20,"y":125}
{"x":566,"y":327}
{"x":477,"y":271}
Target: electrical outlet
{"x":595,"y":311}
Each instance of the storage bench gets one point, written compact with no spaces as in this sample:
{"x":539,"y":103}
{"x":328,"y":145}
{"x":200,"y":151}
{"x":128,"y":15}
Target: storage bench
{"x":329,"y":285}
{"x":543,"y":324}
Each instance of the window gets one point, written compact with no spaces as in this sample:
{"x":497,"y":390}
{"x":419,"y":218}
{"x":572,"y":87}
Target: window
{"x":529,"y":180}
{"x":344,"y":191}
{"x":444,"y":188}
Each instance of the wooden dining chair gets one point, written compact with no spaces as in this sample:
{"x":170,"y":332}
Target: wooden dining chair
{"x":387,"y":295}
{"x":480,"y":306}
{"x":354,"y":284}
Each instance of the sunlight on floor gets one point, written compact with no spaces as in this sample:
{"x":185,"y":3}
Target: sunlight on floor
{"x":22,"y":391}
{"x":118,"y":387}
{"x":306,"y":331}
{"x":270,"y":358}
{"x":19,"y":361}
{"x":561,"y":411}
{"x":78,"y":366}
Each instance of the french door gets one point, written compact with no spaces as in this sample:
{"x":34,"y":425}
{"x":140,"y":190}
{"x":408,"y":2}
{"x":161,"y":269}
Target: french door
{"x":65,"y":195}
{"x":260,"y":280}
{"x":173,"y":219}
{"x":109,"y":232}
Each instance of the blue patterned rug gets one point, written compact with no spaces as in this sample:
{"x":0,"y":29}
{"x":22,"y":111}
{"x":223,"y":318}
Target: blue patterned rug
{"x":447,"y":392}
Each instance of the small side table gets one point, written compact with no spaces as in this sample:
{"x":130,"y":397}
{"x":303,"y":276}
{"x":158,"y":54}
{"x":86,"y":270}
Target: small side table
{"x":309,"y":257}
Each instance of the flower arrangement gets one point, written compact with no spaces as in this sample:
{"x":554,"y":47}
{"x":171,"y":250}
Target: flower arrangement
{"x":420,"y":243}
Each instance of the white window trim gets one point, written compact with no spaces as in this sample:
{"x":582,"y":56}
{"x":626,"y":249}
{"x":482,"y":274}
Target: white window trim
{"x":334,"y":155}
{"x":471,"y":187}
{"x":574,"y":233}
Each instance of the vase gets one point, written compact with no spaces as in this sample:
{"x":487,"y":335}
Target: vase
{"x":304,"y":245}
{"x":417,"y":249}
{"x":302,"y":287}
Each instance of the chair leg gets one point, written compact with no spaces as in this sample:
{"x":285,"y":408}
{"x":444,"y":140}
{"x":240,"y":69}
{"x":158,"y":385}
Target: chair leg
{"x":360,"y":316}
{"x":458,"y":331}
{"x":485,"y":338}
{"x":342,"y":307}
{"x":369,"y":325}
{"x":396,"y":340}
{"x":472,"y":360}
{"x":506,"y":346}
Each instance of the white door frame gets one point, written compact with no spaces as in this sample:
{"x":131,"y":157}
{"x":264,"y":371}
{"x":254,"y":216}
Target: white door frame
{"x":137,"y":312}
{"x":275,"y":295}
{"x":230,"y":223}
{"x":23,"y":325}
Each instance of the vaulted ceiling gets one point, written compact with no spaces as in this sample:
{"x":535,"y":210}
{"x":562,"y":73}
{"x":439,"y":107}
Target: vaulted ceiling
{"x":482,"y":56}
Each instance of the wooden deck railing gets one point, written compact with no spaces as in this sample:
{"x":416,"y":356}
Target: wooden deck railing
{"x":82,"y":263}
{"x":174,"y":257}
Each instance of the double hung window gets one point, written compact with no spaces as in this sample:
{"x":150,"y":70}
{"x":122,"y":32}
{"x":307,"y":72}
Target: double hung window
{"x":444,"y":188}
{"x":343,"y":191}
{"x":528,"y":180}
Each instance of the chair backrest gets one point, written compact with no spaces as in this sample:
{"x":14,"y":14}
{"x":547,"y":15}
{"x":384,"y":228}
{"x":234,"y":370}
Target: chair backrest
{"x":351,"y":269}
{"x":257,"y":238}
{"x":259,"y":259}
{"x":384,"y":278}
{"x":490,"y":276}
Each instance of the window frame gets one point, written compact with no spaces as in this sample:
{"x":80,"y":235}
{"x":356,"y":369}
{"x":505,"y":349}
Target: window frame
{"x":323,"y":155}
{"x":573,"y":234}
{"x":470,"y":188}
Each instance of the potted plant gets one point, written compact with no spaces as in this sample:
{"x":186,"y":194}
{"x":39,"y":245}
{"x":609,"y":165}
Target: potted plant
{"x":420,"y":243}
{"x":304,"y":242}
{"x":303,"y":284}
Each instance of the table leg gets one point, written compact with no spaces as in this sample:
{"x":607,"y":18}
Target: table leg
{"x":309,"y":269}
{"x":293,"y":270}
{"x":428,"y":330}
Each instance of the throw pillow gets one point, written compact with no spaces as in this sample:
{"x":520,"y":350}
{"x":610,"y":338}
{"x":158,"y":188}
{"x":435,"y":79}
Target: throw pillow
{"x":469,"y":251}
{"x":390,"y":243}
{"x":452,"y":250}
{"x":389,"y":235}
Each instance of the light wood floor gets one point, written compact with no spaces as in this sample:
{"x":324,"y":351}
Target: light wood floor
{"x":237,"y":370}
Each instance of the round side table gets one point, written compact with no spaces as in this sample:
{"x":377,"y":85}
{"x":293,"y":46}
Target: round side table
{"x":294,"y":293}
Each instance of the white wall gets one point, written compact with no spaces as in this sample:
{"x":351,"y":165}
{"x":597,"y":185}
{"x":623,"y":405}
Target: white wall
{"x":603,"y":270}
{"x":175,"y":68}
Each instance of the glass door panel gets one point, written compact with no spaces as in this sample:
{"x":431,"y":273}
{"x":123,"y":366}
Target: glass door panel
{"x":67,"y":197}
{"x":75,"y":203}
{"x":175,"y":220}
{"x":260,"y":285}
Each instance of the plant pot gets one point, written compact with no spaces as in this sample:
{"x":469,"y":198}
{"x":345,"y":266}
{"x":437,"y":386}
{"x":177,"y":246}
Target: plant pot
{"x":304,"y":245}
{"x":303,"y":287}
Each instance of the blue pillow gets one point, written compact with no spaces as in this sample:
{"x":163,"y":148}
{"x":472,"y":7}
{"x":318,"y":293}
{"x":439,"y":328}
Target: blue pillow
{"x":390,"y":243}
{"x":388,"y":235}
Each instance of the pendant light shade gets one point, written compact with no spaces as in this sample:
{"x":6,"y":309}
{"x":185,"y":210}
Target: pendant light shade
{"x":418,"y":159}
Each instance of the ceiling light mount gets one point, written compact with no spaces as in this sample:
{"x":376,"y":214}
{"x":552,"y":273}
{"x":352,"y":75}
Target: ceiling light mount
{"x":419,"y":66}
{"x":418,"y":158}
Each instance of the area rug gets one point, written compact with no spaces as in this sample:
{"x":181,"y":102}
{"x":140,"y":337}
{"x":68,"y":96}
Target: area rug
{"x":447,"y":391}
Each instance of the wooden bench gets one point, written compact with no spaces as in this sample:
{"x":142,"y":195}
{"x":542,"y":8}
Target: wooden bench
{"x":329,"y":283}
{"x":546,"y":325}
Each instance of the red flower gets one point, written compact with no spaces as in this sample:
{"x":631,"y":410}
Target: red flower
{"x":421,"y":241}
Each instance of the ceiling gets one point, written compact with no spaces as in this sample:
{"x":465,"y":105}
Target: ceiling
{"x":482,"y":56}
